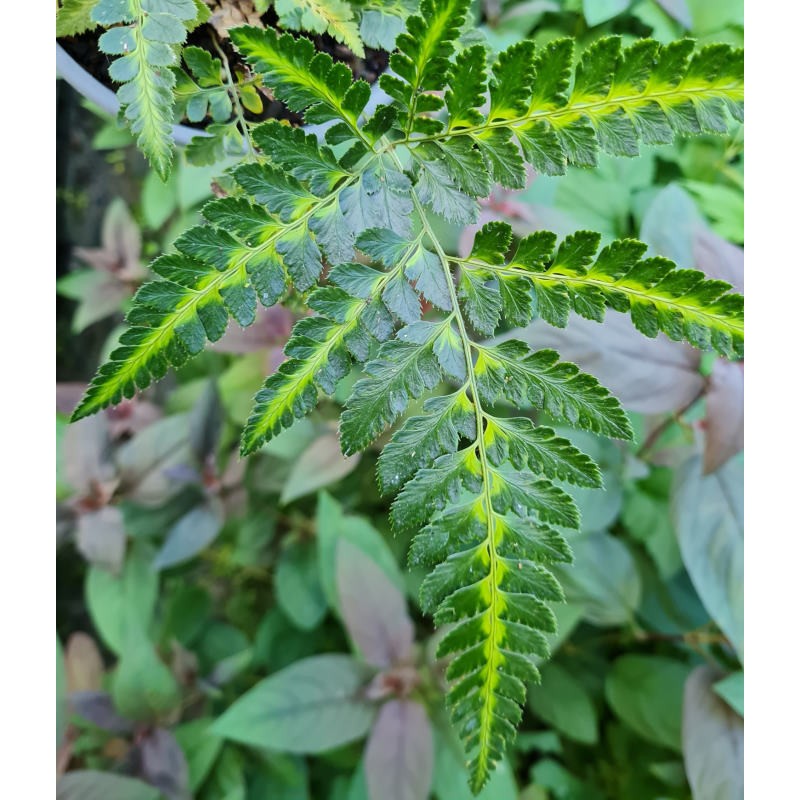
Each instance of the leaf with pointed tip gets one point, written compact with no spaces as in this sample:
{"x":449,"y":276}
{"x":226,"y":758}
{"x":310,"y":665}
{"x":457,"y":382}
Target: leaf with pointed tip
{"x":306,"y":80}
{"x":402,"y":370}
{"x":513,"y":370}
{"x":373,"y":609}
{"x":647,"y":92}
{"x":424,"y":438}
{"x":682,"y":303}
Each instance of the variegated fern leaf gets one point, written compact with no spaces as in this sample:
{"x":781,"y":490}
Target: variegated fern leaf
{"x":476,"y":484}
{"x":146,"y":36}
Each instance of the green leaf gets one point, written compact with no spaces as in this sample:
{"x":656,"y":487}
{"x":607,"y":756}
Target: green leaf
{"x":304,"y":79}
{"x":74,"y":17}
{"x":319,"y":351}
{"x":598,"y":11}
{"x":311,"y":706}
{"x":200,"y":747}
{"x":479,"y":489}
{"x":144,"y":687}
{"x":110,"y":12}
{"x":646,"y":92}
{"x":213,"y":276}
{"x":205,"y":68}
{"x":300,"y":155}
{"x":146,"y":48}
{"x":380,"y":199}
{"x":517,"y":439}
{"x":604,"y":580}
{"x":110,"y":597}
{"x":560,"y":388}
{"x":424,"y":438}
{"x":423,"y":50}
{"x":646,"y":693}
{"x":191,"y":533}
{"x":659,"y":297}
{"x":731,"y":689}
{"x":403,"y":369}
{"x":333,"y":17}
{"x":563,"y":702}
{"x":95,"y":785}
{"x":298,"y":587}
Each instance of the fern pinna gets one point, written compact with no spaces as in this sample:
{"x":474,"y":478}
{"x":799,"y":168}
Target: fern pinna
{"x":476,"y":484}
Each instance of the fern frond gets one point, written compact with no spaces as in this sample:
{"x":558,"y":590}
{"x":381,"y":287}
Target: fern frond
{"x":682,"y":303}
{"x":220,"y":272}
{"x":619,"y":97}
{"x":333,"y":17}
{"x":306,"y":80}
{"x":320,"y":351}
{"x":479,"y":488}
{"x":422,"y":61}
{"x":146,"y":46}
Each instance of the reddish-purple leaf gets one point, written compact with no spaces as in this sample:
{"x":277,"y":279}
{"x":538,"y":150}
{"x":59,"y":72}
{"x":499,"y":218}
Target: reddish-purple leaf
{"x":68,"y":395}
{"x":131,"y":416}
{"x":724,"y":414}
{"x":100,"y":537}
{"x":163,"y":764}
{"x":98,"y":708}
{"x":121,"y":245}
{"x":649,"y":376}
{"x":398,"y":761}
{"x":374,"y":610}
{"x":271,"y":327}
{"x":144,"y":462}
{"x":678,"y":10}
{"x":87,"y":459}
{"x":713,"y":740}
{"x":718,"y":258}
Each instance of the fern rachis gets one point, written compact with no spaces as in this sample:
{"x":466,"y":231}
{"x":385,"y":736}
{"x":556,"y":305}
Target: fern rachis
{"x":476,"y":485}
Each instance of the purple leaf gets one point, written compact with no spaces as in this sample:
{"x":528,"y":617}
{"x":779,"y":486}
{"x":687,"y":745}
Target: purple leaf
{"x":144,"y":460}
{"x":98,"y":708}
{"x":713,"y":740}
{"x":649,"y":376}
{"x":718,"y":258}
{"x":724,"y":422}
{"x":272,"y":327}
{"x":87,"y":458}
{"x":101,"y":538}
{"x":205,"y":424}
{"x":678,"y":10}
{"x":121,"y":245}
{"x":399,"y":757}
{"x":163,"y":764}
{"x":374,"y":610}
{"x":68,"y":395}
